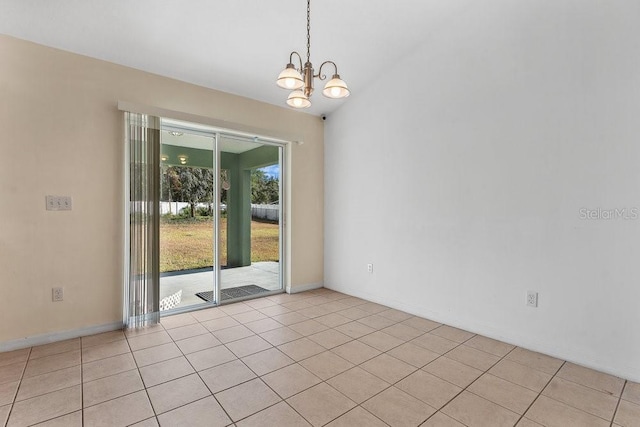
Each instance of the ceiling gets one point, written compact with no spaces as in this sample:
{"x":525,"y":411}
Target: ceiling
{"x":236,"y":46}
{"x":194,"y":135}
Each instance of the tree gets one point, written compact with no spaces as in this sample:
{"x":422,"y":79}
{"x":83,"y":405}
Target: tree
{"x":195,"y":185}
{"x":170,"y":184}
{"x":190,"y":185}
{"x":265,"y":189}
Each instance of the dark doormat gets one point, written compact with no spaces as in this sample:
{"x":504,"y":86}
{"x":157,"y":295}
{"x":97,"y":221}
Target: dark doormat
{"x":231,"y":293}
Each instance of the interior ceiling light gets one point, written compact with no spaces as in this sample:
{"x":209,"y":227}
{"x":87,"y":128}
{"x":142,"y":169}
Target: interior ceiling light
{"x":183,"y":159}
{"x":173,"y":133}
{"x":300,"y":80}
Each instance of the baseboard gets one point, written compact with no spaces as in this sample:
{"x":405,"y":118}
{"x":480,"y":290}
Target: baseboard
{"x":302,"y":288}
{"x":58,"y":336}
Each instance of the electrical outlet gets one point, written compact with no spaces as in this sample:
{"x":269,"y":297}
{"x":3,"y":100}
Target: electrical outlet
{"x":532,"y":298}
{"x":370,"y":268}
{"x":65,"y":202}
{"x":57,"y":294}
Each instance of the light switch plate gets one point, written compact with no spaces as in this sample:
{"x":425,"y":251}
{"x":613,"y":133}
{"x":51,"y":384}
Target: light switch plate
{"x":58,"y":203}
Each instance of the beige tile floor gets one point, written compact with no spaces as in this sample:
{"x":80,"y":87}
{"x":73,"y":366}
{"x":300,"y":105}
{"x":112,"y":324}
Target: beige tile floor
{"x":315,"y":358}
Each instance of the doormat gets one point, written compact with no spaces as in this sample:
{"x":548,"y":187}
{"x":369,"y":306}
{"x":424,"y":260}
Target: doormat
{"x":231,"y":293}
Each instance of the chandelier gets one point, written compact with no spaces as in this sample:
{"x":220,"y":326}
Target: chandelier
{"x":300,"y":80}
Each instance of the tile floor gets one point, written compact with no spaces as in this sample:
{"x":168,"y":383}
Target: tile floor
{"x":315,"y":358}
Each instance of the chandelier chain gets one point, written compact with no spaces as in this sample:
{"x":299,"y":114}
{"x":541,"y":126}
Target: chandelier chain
{"x":308,"y":30}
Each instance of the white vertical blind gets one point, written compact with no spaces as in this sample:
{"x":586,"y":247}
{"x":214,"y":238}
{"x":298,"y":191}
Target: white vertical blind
{"x":142,"y":281}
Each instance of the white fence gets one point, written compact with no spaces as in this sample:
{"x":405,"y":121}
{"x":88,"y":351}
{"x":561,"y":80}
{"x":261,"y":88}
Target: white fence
{"x":268,"y":212}
{"x":172,"y":207}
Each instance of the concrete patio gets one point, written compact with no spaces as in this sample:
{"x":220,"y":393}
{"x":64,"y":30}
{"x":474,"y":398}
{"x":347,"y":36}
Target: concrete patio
{"x":263,"y":274}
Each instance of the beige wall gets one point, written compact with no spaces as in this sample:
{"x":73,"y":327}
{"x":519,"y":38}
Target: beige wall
{"x":61,"y":134}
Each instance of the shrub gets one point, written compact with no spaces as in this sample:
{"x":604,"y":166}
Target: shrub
{"x":203,"y":211}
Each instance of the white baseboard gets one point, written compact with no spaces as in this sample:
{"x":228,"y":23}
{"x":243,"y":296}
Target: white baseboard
{"x":302,"y":288}
{"x":58,"y":336}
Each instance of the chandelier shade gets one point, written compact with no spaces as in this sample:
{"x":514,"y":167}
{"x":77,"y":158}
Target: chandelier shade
{"x":300,"y":80}
{"x":336,"y":88}
{"x":290,"y":78}
{"x":297,"y":99}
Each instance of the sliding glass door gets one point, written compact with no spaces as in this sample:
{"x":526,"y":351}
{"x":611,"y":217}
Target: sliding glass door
{"x":205,"y":217}
{"x":220,"y":234}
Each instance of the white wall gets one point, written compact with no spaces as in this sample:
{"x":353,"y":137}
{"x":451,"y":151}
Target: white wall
{"x":484,"y":144}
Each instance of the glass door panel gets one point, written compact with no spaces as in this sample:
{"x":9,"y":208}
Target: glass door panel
{"x":250,"y":212}
{"x":187,"y":207}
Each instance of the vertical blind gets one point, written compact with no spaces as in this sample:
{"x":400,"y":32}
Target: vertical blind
{"x":142,"y":278}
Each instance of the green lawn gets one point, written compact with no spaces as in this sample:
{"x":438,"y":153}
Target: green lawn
{"x":188,"y":244}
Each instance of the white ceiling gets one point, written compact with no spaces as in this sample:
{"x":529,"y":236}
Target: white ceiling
{"x":237,"y":46}
{"x":195,"y":135}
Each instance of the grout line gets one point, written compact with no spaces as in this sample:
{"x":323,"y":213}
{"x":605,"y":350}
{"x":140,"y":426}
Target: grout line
{"x":589,"y":387}
{"x":82,"y":383}
{"x":198,"y":372}
{"x":615,"y":412}
{"x":146,"y":391}
{"x":540,"y":393}
{"x":294,"y":409}
{"x":114,"y":398}
{"x":374,"y":415}
{"x":531,"y":367}
{"x":15,"y":396}
{"x":472,"y":382}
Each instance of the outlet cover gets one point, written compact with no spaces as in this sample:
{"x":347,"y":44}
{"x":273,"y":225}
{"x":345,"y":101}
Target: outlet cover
{"x":532,"y":298}
{"x":57,"y":294}
{"x":370,"y":268}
